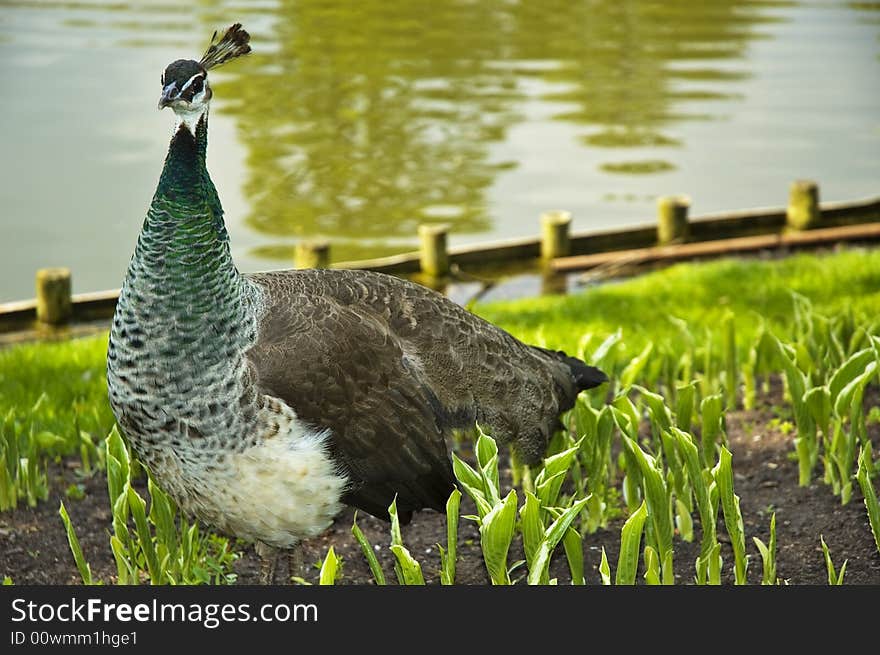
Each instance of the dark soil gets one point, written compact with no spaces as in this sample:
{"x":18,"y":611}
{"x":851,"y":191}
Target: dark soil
{"x":34,"y":548}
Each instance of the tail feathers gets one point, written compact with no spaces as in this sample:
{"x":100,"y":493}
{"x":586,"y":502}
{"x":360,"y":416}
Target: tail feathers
{"x":585,"y":376}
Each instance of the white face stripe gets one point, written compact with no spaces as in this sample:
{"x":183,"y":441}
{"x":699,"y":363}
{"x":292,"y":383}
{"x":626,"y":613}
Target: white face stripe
{"x":191,"y":80}
{"x":166,"y":91}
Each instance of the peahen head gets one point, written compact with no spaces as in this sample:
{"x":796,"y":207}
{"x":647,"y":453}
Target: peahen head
{"x":185,"y":85}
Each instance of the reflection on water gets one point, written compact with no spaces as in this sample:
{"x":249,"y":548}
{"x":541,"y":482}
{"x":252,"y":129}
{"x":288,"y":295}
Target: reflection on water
{"x":356,"y":121}
{"x":371,"y":117}
{"x":364,"y":121}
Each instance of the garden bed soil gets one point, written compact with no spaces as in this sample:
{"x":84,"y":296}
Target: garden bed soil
{"x":34,"y":548}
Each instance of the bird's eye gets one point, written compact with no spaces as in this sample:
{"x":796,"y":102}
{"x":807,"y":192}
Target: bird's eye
{"x":162,"y":80}
{"x":198,"y":84}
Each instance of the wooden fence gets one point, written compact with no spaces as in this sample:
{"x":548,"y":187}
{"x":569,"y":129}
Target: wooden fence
{"x":674,"y":235}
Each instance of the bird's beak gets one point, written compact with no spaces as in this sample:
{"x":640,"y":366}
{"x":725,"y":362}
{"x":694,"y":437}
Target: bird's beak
{"x":169,"y":95}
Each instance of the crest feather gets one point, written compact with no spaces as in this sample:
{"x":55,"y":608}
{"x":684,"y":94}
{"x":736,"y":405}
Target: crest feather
{"x":234,"y":43}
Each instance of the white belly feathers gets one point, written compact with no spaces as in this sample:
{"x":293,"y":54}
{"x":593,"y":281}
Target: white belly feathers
{"x":283,"y":488}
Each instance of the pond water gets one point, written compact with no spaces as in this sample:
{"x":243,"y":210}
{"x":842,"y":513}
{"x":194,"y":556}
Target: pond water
{"x":355,"y":121}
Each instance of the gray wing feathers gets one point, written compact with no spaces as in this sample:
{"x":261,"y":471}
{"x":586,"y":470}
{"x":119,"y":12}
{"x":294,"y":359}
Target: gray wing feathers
{"x":390,"y":368}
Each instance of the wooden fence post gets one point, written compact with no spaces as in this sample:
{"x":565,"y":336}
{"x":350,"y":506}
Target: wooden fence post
{"x":433,"y":255}
{"x":555,"y":234}
{"x":802,"y":212}
{"x":312,"y":254}
{"x":54,"y":304}
{"x":672,"y":219}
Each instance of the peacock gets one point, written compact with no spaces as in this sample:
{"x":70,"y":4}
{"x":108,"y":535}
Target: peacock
{"x":265,"y":403}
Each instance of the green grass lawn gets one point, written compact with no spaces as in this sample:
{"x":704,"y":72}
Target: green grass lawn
{"x":61,"y":386}
{"x":699,"y":294}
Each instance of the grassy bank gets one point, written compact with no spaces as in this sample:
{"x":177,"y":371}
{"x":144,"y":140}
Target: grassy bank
{"x":69,"y":376}
{"x":685,"y":347}
{"x":701,"y":295}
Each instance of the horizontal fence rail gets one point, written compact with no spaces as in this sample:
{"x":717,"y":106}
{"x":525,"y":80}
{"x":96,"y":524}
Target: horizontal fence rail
{"x":804,"y":222}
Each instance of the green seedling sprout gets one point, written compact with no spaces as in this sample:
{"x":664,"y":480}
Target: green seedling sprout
{"x":633,"y":370}
{"x":712,"y":425}
{"x":604,"y":569}
{"x":472,"y":483}
{"x":731,"y":367}
{"x":652,"y":567}
{"x":330,"y":568}
{"x":870,"y":495}
{"x":406,"y":567}
{"x":627,"y":419}
{"x":835,"y":578}
{"x":630,"y":542}
{"x":573,"y":544}
{"x":685,"y":398}
{"x":85,"y":571}
{"x":540,"y":567}
{"x":723,"y":474}
{"x":22,"y":461}
{"x":798,"y":383}
{"x":496,"y":533}
{"x":751,"y":369}
{"x":548,"y":482}
{"x":848,"y":411}
{"x":369,"y":554}
{"x":768,"y":554}
{"x":595,"y":459}
{"x":448,"y":556}
{"x":661,"y":423}
{"x":531,"y":526}
{"x":659,"y":506}
{"x":487,"y":459}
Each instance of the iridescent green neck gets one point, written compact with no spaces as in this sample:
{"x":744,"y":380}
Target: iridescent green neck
{"x":182,"y":266}
{"x":176,"y":366}
{"x":186,"y":213}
